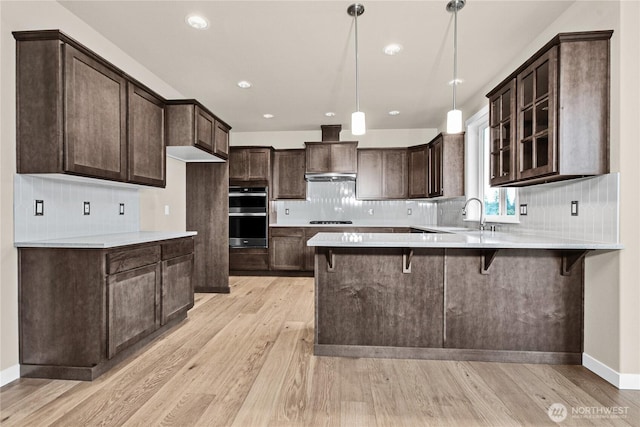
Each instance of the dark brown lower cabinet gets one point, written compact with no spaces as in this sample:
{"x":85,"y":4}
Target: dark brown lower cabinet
{"x":286,"y":249}
{"x":133,"y":302}
{"x":524,"y":303}
{"x":367,"y":300}
{"x":177,"y":283}
{"x":509,"y":305}
{"x":82,"y":311}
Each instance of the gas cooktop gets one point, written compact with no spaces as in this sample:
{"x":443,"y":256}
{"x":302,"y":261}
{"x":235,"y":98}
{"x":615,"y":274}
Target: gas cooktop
{"x":330,"y":222}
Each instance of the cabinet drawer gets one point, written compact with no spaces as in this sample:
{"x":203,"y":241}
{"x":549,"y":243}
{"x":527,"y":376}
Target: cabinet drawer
{"x":249,"y":259}
{"x":176,"y":248}
{"x":128,"y":259}
{"x":287,"y":232}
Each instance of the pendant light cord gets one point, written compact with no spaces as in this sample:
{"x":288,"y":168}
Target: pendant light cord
{"x":455,"y":53}
{"x":355,"y":16}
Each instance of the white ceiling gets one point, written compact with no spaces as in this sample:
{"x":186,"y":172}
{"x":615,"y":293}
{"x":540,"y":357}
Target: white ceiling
{"x":299,"y":55}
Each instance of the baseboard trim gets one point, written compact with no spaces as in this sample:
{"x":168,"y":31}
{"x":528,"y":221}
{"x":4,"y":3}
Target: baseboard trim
{"x":9,"y":374}
{"x":505,"y":356}
{"x":621,"y":381}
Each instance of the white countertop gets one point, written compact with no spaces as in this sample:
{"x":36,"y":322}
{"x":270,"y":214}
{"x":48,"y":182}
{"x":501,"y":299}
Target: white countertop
{"x":306,"y":224}
{"x":105,"y":241}
{"x":454,"y":238}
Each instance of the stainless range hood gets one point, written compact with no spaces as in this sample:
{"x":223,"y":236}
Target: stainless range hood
{"x":329,"y":177}
{"x":331,"y":160}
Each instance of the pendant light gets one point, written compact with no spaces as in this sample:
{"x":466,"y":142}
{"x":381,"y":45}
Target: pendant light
{"x":454,"y":117}
{"x":357,"y":119}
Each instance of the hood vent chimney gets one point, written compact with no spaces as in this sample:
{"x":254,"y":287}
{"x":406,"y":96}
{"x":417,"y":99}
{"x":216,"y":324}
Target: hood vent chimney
{"x":331,"y":132}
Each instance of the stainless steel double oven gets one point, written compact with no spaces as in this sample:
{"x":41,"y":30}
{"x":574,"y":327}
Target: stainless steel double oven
{"x":248,"y":219}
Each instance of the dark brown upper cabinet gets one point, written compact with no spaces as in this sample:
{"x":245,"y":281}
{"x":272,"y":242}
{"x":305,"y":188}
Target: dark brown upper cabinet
{"x":287,"y":176}
{"x":194,"y":133}
{"x":333,"y":156}
{"x":382,"y":174}
{"x":418,"y":179}
{"x":146,"y":137}
{"x":72,"y":113}
{"x":557,"y":124}
{"x":249,"y":164}
{"x":503,"y":134}
{"x":221,"y":134}
{"x":436,"y":169}
{"x":446,"y":165}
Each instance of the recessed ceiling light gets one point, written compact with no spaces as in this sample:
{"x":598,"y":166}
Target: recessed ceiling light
{"x":393,"y":49}
{"x":243,"y":84}
{"x":394,"y":112}
{"x":198,"y":22}
{"x":456,"y":82}
{"x":268,"y":116}
{"x":330,"y":114}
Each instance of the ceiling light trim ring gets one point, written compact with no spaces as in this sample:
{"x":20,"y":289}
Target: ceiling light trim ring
{"x":196,"y":21}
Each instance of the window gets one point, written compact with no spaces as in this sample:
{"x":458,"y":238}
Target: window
{"x":500,"y":203}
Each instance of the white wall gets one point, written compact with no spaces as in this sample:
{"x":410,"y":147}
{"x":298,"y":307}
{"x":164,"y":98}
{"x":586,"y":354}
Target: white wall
{"x":154,"y":201}
{"x":27,"y":15}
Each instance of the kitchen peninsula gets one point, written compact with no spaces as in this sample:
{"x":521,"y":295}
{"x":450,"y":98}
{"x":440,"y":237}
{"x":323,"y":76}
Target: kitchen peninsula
{"x":463,"y":295}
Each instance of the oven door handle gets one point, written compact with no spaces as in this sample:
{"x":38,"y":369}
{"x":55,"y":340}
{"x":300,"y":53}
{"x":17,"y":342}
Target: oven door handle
{"x":247,"y":214}
{"x":247,"y":194}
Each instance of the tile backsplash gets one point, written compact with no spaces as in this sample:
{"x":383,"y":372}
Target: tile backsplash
{"x":549,"y":209}
{"x":336,"y":201}
{"x":64,"y":208}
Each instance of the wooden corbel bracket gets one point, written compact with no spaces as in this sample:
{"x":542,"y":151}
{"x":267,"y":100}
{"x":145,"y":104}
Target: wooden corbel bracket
{"x":407,"y":255}
{"x":570,"y":259}
{"x":487,"y":257}
{"x":330,"y":260}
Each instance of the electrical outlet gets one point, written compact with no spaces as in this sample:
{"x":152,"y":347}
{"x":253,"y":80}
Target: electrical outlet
{"x":409,"y":211}
{"x":39,"y":208}
{"x":370,"y":211}
{"x":523,"y":210}
{"x":574,"y":208}
{"x":121,"y":208}
{"x":286,"y":211}
{"x":166,"y":209}
{"x":87,"y":208}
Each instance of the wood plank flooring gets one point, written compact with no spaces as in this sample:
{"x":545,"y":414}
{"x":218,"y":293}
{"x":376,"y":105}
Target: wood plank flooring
{"x":246,"y":359}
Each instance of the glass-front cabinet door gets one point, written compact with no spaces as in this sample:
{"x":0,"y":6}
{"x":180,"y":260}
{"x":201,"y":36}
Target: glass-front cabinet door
{"x":503,"y":135}
{"x":536,"y":117}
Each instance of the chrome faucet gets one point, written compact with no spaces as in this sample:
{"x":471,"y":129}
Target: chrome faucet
{"x":482,"y":219}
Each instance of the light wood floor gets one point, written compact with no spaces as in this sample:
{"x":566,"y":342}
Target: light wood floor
{"x":246,"y":359}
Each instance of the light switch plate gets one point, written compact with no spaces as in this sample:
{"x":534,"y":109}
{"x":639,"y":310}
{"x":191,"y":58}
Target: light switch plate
{"x":87,"y":208}
{"x":39,"y":208}
{"x":574,"y":208}
{"x":121,"y":208}
{"x":523,"y":210}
